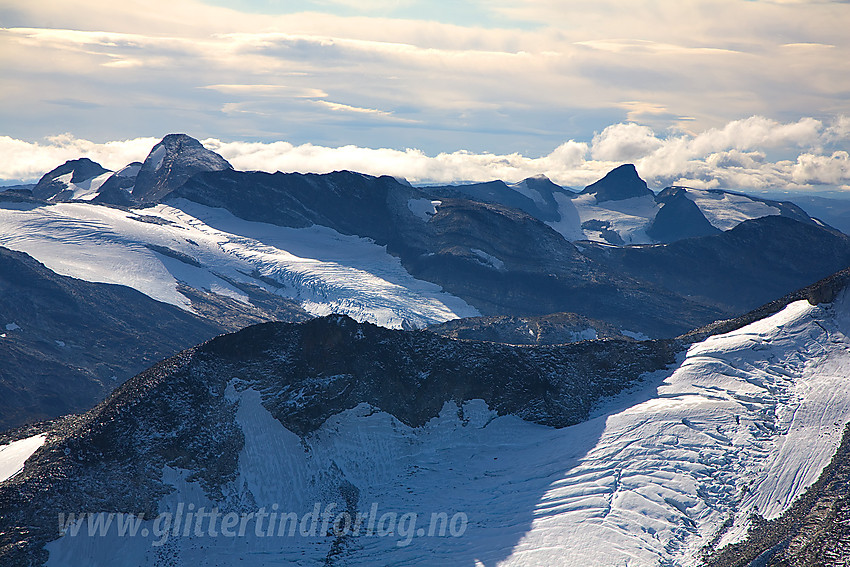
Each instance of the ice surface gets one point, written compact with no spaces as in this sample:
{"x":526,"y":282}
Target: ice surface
{"x":647,"y":481}
{"x":523,"y":189}
{"x":325,"y":270}
{"x":14,"y":454}
{"x":726,"y":211}
{"x":569,"y":225}
{"x":489,"y":259}
{"x":628,"y":217}
{"x":423,"y":208}
{"x":157,"y":157}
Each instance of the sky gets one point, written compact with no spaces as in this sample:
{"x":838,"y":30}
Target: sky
{"x":751,"y":95}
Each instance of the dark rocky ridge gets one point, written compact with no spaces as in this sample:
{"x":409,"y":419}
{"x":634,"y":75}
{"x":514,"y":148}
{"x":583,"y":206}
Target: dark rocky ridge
{"x":739,"y":269}
{"x":500,"y":193}
{"x":554,"y":329}
{"x":117,"y":188}
{"x":542,"y":273}
{"x":786,"y":208}
{"x":679,"y":218}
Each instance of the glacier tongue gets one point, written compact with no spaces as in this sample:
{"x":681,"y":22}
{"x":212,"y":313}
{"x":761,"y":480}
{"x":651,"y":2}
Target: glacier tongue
{"x":154,"y":249}
{"x":742,"y":423}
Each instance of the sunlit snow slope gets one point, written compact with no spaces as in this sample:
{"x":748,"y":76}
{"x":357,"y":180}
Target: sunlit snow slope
{"x":744,"y":422}
{"x":153,"y":249}
{"x":13,"y":455}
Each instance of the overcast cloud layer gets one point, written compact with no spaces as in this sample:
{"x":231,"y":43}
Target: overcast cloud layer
{"x":660,"y":82}
{"x":732,"y":157}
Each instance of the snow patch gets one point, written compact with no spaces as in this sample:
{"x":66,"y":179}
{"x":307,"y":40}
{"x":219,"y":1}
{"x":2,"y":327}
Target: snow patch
{"x":489,"y":259}
{"x":569,"y":224}
{"x":726,"y":210}
{"x":157,"y":157}
{"x":129,"y":170}
{"x":423,"y":208}
{"x":13,"y":455}
{"x":523,"y":189}
{"x":638,"y":336}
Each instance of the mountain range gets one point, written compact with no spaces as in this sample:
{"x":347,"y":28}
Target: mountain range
{"x":507,"y":373}
{"x":590,"y":453}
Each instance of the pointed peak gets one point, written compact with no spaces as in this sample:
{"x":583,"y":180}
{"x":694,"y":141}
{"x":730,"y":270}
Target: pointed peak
{"x":171,"y":163}
{"x":60,"y":179}
{"x":622,"y":182}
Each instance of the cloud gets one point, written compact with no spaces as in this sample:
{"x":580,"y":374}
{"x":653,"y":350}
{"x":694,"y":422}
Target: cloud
{"x":624,"y":142}
{"x":27,"y":161}
{"x":741,"y":155}
{"x":556,"y":70}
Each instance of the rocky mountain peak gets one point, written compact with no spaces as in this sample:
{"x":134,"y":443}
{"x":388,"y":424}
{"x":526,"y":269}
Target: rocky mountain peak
{"x":678,"y":218}
{"x":171,"y":163}
{"x":620,"y":183}
{"x":55,"y":181}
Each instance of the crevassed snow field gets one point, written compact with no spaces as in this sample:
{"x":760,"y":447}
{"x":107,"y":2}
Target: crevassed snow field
{"x":726,"y":210}
{"x":647,"y":481}
{"x":210,"y":248}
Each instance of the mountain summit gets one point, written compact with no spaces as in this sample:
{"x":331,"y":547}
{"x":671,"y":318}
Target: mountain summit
{"x":171,"y":163}
{"x":620,"y":183}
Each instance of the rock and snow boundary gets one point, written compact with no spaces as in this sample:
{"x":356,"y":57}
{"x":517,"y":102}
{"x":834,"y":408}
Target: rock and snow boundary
{"x":743,"y":423}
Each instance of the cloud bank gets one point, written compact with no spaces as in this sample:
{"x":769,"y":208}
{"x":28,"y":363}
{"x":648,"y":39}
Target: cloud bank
{"x":509,"y":76}
{"x":754,"y":154}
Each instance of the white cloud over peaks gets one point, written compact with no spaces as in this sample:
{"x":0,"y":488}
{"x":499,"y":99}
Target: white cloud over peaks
{"x":741,"y":155}
{"x":625,"y":142}
{"x":20,"y":160}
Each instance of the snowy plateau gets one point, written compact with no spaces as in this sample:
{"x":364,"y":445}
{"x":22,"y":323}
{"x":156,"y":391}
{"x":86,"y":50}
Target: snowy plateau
{"x":743,"y":422}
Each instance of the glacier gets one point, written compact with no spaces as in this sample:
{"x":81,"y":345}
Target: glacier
{"x":154,"y":249}
{"x":742,"y":423}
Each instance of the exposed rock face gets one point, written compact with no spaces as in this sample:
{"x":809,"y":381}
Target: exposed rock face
{"x":50,"y":187}
{"x":620,"y":183}
{"x":118,"y":188}
{"x":679,"y":218}
{"x":70,"y":342}
{"x":558,"y":328}
{"x":171,"y":162}
{"x":534,"y":196}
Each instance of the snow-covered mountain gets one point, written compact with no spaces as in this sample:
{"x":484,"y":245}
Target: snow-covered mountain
{"x":78,"y":179}
{"x":620,"y":209}
{"x":376,"y":248}
{"x":233,"y":247}
{"x":451,"y":452}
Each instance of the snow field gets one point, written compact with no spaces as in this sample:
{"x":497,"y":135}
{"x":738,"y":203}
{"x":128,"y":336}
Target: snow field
{"x":212,"y":250}
{"x":743,"y":421}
